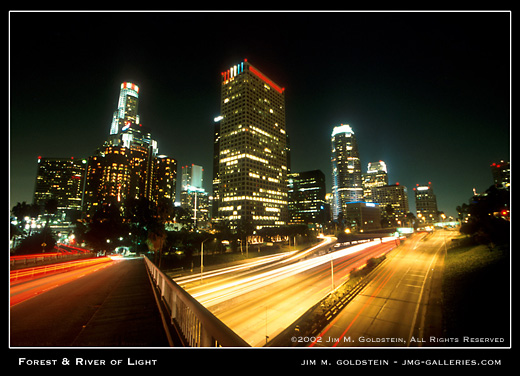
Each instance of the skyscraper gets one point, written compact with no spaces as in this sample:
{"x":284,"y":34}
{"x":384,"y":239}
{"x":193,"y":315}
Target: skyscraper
{"x":347,"y":183}
{"x":60,"y":179}
{"x":127,"y":165}
{"x":307,"y":197}
{"x":501,"y":174}
{"x":194,"y":198}
{"x":252,"y":149}
{"x":393,"y":202}
{"x":126,"y":113}
{"x":376,"y":176}
{"x":426,"y":203}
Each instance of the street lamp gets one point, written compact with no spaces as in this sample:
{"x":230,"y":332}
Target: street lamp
{"x":332,"y":271}
{"x":202,"y":258}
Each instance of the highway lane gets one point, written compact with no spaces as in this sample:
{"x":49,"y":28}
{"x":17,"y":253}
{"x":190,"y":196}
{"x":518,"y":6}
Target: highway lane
{"x":391,"y":310}
{"x":112,"y":305}
{"x":23,"y":286}
{"x":262,"y":303}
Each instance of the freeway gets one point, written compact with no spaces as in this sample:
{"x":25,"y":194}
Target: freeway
{"x":106,"y":304}
{"x":260,"y":302}
{"x":392,"y":309}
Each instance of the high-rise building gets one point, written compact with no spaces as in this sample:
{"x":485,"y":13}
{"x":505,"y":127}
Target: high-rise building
{"x":393,"y":203}
{"x":347,"y":182}
{"x":252,"y":150}
{"x":128,"y":165}
{"x":126,"y":113}
{"x":194,"y":198}
{"x":108,"y":178}
{"x":307,"y":203}
{"x":60,"y":179}
{"x":426,"y":203}
{"x":164,"y":179}
{"x":192,"y":176}
{"x":501,"y":174}
{"x":126,"y":129}
{"x":376,"y":176}
{"x":362,"y":216}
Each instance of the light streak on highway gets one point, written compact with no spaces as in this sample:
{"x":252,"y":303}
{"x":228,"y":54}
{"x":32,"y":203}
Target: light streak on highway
{"x":258,"y":261}
{"x":260,"y":303}
{"x":225,"y":291}
{"x":30,"y":282}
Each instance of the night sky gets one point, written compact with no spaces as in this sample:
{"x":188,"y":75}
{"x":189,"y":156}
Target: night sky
{"x":426,"y":92}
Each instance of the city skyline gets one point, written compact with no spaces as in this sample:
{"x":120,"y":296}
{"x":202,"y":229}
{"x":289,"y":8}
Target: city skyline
{"x":397,"y":70}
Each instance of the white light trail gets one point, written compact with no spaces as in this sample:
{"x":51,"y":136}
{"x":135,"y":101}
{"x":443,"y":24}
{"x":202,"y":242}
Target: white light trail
{"x":244,"y":285}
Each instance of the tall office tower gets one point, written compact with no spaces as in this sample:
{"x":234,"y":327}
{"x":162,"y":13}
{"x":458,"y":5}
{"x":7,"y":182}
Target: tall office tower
{"x":426,"y":203}
{"x":108,"y":178}
{"x":192,"y":176}
{"x":307,"y":198}
{"x":501,"y":174}
{"x":252,"y":155}
{"x":376,"y":176}
{"x":126,"y":129}
{"x":127,"y":165}
{"x":347,"y":183}
{"x":216,"y":176}
{"x":164,"y":179}
{"x":126,"y":113}
{"x":60,"y":179}
{"x":194,"y":198}
{"x":393,"y":202}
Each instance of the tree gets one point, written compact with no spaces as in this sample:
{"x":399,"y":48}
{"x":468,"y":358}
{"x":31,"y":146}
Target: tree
{"x":411,"y":219}
{"x":51,"y":208}
{"x":485,"y":222}
{"x":106,"y":227}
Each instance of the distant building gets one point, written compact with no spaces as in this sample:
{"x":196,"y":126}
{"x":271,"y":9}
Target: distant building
{"x":501,"y":174}
{"x":251,"y":185}
{"x":60,"y":179}
{"x":163,"y":179}
{"x":362,"y":216}
{"x":426,"y":203}
{"x":128,"y":166}
{"x":347,"y":183}
{"x":307,"y":203}
{"x":393,"y":202}
{"x":194,"y":199}
{"x":376,"y":176}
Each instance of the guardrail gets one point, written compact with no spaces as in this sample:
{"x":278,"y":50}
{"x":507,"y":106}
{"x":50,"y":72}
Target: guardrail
{"x":23,"y":261}
{"x":198,"y":325}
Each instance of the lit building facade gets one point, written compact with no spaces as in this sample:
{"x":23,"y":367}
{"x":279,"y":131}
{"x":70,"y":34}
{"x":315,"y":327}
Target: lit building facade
{"x":60,"y":179}
{"x":501,"y":174}
{"x":194,"y":198}
{"x":347,"y":183}
{"x":128,"y":165}
{"x":252,"y":150}
{"x":307,"y":203}
{"x":362,"y":216}
{"x":426,"y":203}
{"x":393,"y":202}
{"x":126,"y":113}
{"x":376,"y":176}
{"x":164,"y":179}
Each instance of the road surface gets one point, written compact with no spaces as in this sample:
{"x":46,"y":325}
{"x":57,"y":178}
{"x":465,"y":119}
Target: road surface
{"x":258,"y":304}
{"x":392,"y":308}
{"x":110,"y":304}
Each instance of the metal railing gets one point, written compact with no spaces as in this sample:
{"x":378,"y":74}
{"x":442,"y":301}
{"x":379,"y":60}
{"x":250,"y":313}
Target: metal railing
{"x":198,"y":325}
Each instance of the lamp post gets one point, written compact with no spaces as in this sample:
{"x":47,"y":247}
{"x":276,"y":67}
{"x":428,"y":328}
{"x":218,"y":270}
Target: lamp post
{"x":332,"y":271}
{"x":202,"y":258}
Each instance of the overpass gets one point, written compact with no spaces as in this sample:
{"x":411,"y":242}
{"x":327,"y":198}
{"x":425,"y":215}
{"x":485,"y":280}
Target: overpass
{"x":109,"y":303}
{"x":130,"y":302}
